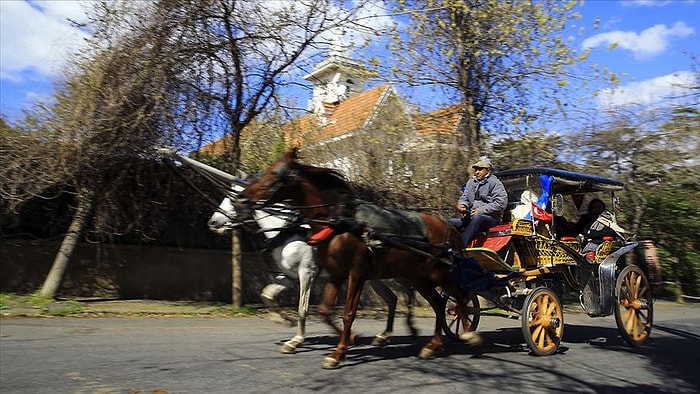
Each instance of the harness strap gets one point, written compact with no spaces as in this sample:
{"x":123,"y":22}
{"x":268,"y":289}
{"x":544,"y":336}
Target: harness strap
{"x":406,"y":242}
{"x":403,"y":244}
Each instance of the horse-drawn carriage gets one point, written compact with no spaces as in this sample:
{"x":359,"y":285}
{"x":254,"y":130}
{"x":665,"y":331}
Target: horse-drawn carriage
{"x":524,"y":266}
{"x":527,"y":265}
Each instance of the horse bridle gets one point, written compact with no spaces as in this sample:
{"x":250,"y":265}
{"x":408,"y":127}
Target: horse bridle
{"x":286,"y":177}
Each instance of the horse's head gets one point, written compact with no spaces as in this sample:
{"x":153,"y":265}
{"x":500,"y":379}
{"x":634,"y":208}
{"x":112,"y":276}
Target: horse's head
{"x":311,"y":189}
{"x":270,"y":187}
{"x":225,"y":217}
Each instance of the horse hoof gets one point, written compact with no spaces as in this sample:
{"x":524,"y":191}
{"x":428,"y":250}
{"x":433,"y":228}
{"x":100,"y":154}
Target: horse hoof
{"x":471,"y":338}
{"x":290,"y":346}
{"x":330,"y":363}
{"x":381,"y":340}
{"x":288,"y":349}
{"x":428,"y":354}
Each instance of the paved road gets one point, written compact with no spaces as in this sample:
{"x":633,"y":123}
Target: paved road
{"x":232,"y":355}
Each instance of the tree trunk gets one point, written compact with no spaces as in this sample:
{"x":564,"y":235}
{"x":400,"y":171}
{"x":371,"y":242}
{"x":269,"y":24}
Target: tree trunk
{"x":236,"y":280}
{"x":639,"y":208}
{"x":60,"y":263}
{"x":469,"y":127}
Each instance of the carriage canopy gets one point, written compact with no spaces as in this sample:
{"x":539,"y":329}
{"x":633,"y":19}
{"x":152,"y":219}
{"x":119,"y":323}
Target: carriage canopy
{"x":564,"y":182}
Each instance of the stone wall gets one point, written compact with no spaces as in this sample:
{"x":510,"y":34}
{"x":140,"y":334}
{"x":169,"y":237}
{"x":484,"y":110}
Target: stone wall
{"x":135,"y":272}
{"x":147,"y":272}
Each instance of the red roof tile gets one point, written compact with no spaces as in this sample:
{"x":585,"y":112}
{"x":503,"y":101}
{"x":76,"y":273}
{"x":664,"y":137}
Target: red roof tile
{"x":348,"y":116}
{"x":440,"y":121}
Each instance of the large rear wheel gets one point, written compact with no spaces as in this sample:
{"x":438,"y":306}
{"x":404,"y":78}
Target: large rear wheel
{"x":634,"y":309}
{"x":461,"y":315}
{"x":542,"y":321}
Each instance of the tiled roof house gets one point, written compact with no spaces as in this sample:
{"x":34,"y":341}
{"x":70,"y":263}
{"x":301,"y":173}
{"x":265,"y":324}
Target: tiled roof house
{"x":366,"y":132}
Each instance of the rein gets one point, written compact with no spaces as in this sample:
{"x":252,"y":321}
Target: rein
{"x":198,"y":190}
{"x":406,"y":246}
{"x":265,"y":204}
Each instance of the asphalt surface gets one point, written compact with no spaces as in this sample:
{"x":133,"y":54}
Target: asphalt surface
{"x":193,"y":352}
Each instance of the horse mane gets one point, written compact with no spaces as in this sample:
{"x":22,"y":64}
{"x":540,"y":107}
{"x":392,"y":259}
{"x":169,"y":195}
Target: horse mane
{"x":326,"y":178}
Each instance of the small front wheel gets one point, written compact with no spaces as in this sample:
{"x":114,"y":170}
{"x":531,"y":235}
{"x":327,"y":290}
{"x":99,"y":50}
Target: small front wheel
{"x":461,"y":316}
{"x":542,"y":321}
{"x":634,"y":309}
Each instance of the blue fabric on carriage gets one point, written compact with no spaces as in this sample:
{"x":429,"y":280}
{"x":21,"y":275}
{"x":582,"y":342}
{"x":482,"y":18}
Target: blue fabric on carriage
{"x":470,"y":276}
{"x":390,"y":221}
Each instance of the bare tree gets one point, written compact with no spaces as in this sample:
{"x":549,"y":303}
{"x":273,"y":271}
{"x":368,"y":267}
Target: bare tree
{"x":503,"y":60}
{"x":174,"y":73}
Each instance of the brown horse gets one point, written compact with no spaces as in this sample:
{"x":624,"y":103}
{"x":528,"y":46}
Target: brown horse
{"x":326,"y":199}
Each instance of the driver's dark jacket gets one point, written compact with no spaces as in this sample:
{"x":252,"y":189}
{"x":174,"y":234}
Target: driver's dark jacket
{"x":487,"y":196}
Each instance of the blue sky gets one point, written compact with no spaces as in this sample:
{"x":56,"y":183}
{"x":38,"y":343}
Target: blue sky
{"x":655,"y":41}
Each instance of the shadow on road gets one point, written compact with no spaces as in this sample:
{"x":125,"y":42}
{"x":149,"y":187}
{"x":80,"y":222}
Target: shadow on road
{"x":674,"y":356}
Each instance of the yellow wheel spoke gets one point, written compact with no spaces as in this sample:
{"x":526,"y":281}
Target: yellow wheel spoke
{"x":637,"y":285}
{"x":535,"y":320}
{"x":541,"y":338}
{"x":631,"y":320}
{"x":550,"y":309}
{"x":634,"y":331}
{"x":536,"y":332}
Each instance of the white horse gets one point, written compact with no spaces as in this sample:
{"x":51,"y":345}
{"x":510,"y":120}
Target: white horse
{"x":295,"y":259}
{"x":293,"y":255}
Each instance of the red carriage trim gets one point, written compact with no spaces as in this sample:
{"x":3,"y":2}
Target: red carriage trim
{"x":496,"y":238}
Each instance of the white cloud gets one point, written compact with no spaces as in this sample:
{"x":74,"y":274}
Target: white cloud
{"x":654,"y":91}
{"x":649,"y":43}
{"x":645,"y":3}
{"x":37,"y":37}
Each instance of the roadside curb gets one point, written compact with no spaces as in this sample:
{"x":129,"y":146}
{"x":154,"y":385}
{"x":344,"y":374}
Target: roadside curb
{"x":140,"y":308}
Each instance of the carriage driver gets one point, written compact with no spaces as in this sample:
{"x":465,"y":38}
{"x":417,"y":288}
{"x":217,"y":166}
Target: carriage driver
{"x":483,"y":200}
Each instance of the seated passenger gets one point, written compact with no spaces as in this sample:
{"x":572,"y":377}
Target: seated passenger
{"x":595,"y":208}
{"x":481,"y":204}
{"x":595,"y":226}
{"x":526,"y":200}
{"x":562,"y":228}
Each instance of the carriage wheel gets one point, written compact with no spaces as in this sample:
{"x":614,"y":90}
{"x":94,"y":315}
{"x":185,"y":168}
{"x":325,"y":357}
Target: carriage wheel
{"x":461,"y":317}
{"x":634,"y":311}
{"x":543,"y":321}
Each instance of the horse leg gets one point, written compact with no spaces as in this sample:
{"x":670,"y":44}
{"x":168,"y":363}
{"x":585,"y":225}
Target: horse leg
{"x":328,"y":300}
{"x":410,"y":301}
{"x":269,"y":299}
{"x":306,"y":278}
{"x":389,"y":298}
{"x":435,"y":346}
{"x":410,"y":294}
{"x":350,"y":312}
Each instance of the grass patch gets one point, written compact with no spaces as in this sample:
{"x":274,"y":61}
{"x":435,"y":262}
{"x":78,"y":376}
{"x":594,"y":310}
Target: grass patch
{"x":66,"y":308}
{"x":37,"y":305}
{"x":41,"y":304}
{"x":5,"y":299}
{"x":236,"y":311}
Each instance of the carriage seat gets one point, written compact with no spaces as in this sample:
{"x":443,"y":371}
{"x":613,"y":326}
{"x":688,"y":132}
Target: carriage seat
{"x":495,"y":238}
{"x":597,"y":251}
